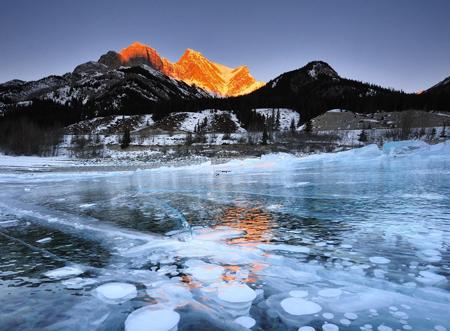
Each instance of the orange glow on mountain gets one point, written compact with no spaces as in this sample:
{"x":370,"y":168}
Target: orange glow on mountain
{"x":193,"y":68}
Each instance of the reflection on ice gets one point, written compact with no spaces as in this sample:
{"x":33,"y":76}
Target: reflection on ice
{"x":351,"y":241}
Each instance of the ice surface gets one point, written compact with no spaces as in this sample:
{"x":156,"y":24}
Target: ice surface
{"x":298,"y":306}
{"x":251,"y":228}
{"x":64,"y":272}
{"x":115,"y":293}
{"x":146,"y":318}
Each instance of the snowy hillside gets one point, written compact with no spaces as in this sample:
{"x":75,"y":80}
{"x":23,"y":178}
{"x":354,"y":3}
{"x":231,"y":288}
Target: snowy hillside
{"x":286,"y":116}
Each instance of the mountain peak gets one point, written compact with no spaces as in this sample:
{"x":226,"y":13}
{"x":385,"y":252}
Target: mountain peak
{"x":320,"y":68}
{"x":192,"y":68}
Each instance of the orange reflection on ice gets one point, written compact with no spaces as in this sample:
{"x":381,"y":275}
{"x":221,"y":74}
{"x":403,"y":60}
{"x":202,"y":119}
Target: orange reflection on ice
{"x":255,"y":222}
{"x":189,"y":282}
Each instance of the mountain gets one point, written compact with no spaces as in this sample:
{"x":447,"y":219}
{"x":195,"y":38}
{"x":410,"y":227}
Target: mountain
{"x":192,"y":68}
{"x":99,"y":89}
{"x":442,"y":87}
{"x":316,"y":88}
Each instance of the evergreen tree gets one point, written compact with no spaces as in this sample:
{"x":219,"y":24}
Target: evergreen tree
{"x":443,"y":134}
{"x":308,"y":127}
{"x":126,"y":139}
{"x":189,"y":139}
{"x":265,"y":137}
{"x":277,"y":121}
{"x":363,"y":136}
{"x":292,"y":127}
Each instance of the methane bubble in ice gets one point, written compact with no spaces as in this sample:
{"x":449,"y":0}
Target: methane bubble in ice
{"x":204,"y":272}
{"x":351,"y":316}
{"x":78,"y":282}
{"x":298,"y":306}
{"x":63,"y":272}
{"x":44,"y":240}
{"x":384,"y":328}
{"x":298,"y":293}
{"x":330,"y":327}
{"x":236,"y":298}
{"x":115,"y":292}
{"x":245,"y":321}
{"x":328,"y":316}
{"x":236,"y":293}
{"x":379,"y":260}
{"x":330,"y":292}
{"x":306,"y":328}
{"x":146,"y":318}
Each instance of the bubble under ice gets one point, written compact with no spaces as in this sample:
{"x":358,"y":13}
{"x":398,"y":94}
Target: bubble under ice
{"x":146,"y":318}
{"x":115,"y":292}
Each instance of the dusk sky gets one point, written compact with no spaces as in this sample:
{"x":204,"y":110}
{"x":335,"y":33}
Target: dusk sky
{"x":403,"y":44}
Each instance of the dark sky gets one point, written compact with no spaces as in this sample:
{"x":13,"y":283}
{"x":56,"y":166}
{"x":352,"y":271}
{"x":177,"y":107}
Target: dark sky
{"x":403,"y":44}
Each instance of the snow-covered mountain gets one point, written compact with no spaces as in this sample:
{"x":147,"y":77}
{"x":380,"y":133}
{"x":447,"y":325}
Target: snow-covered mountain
{"x":193,"y":68}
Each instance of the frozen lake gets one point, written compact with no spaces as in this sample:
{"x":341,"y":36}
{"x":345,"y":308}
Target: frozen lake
{"x":357,"y":240}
